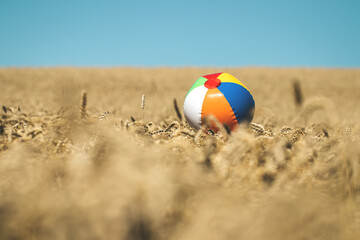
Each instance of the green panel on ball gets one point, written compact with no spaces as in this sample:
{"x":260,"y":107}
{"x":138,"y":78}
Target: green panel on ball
{"x":198,"y":83}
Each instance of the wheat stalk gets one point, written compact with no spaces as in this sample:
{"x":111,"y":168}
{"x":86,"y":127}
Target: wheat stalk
{"x":83,"y":103}
{"x":143,"y":102}
{"x":143,"y":105}
{"x":177,"y":110}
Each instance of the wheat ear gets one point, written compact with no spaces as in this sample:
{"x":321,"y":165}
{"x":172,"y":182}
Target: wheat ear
{"x":83,"y":103}
{"x":298,"y":95}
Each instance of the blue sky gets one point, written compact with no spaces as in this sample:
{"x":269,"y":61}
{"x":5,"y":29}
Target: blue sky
{"x":288,"y":33}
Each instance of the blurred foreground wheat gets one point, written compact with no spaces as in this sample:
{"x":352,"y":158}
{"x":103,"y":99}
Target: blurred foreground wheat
{"x":111,"y":173}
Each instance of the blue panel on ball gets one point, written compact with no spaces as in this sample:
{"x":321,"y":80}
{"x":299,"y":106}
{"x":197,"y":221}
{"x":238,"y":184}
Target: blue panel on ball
{"x":240,"y":100}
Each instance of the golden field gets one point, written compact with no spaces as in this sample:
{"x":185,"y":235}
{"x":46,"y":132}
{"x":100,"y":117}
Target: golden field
{"x":80,"y":159}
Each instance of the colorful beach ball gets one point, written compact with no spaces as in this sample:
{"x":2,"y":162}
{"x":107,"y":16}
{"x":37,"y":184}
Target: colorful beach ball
{"x":220,"y":95}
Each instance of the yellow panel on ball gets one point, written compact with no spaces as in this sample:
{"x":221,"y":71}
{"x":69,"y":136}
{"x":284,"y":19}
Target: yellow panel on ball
{"x":226,"y":77}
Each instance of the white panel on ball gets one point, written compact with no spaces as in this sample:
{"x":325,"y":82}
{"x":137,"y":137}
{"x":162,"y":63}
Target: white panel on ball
{"x":193,"y":105}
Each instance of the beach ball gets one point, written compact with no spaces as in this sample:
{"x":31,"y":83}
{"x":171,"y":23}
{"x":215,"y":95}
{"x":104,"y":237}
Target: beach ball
{"x":222,"y":96}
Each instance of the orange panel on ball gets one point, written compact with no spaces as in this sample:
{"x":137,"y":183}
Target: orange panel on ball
{"x":216,"y":104}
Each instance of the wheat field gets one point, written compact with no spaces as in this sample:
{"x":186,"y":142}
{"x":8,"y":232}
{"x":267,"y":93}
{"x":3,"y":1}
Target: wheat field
{"x":102,"y":153}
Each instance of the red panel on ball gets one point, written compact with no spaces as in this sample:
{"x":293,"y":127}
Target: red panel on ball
{"x":212,"y":83}
{"x":212,"y":76}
